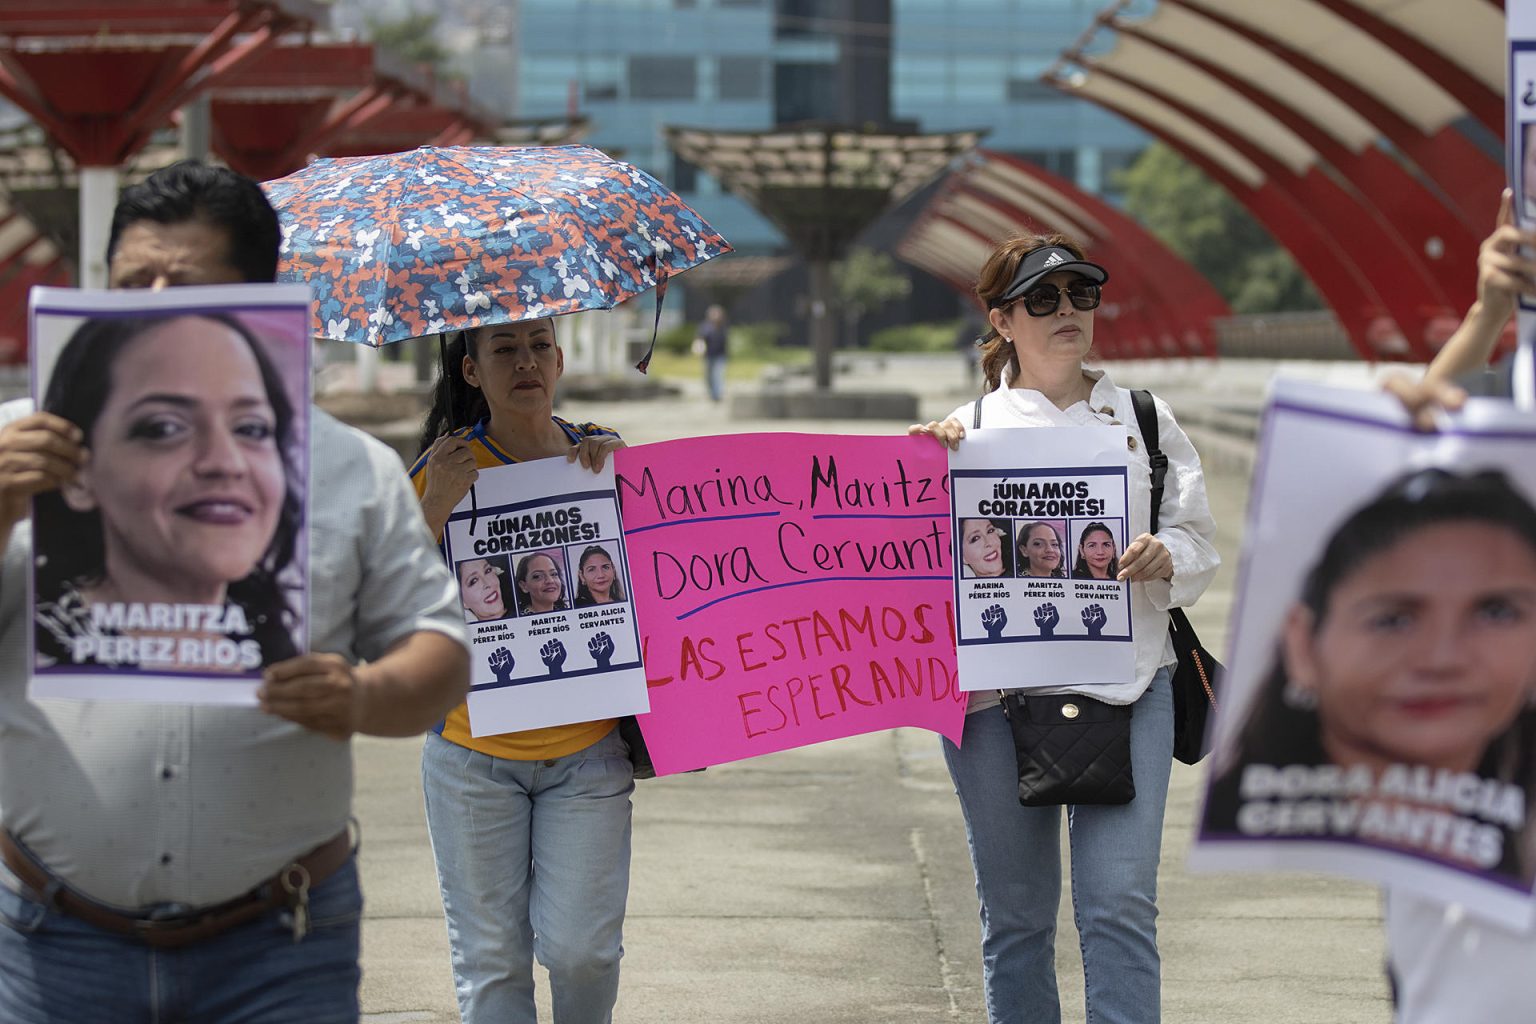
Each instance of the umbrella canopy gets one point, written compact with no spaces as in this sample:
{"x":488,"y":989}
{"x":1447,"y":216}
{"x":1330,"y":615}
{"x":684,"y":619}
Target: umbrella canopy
{"x":440,"y":239}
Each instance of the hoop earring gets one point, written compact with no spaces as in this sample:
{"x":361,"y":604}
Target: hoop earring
{"x":1298,"y":698}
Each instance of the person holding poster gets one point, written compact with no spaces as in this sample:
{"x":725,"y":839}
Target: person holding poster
{"x":1411,"y":646}
{"x":984,"y":547}
{"x":600,"y":583}
{"x":190,"y":498}
{"x":1040,"y":551}
{"x":1447,"y":964}
{"x":531,"y":829}
{"x":1040,"y":293}
{"x":1096,"y":559}
{"x":146,"y":840}
{"x":483,"y":589}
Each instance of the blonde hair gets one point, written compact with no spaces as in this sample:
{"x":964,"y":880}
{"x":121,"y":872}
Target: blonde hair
{"x":995,"y":277}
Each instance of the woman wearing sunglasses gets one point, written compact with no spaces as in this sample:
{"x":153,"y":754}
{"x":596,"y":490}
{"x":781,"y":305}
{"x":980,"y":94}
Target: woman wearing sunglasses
{"x":1040,"y":294}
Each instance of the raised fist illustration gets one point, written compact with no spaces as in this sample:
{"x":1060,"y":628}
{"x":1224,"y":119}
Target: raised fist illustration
{"x":553,"y":653}
{"x":993,"y":620}
{"x":501,"y":662}
{"x":1094,"y":618}
{"x":1046,"y":617}
{"x":601,"y":649}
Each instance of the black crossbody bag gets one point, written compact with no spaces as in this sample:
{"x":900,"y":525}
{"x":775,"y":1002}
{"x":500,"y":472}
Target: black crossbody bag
{"x":1070,"y":749}
{"x":1197,"y":677}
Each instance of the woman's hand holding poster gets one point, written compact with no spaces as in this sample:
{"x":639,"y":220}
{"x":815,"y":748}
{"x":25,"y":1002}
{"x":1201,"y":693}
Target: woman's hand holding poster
{"x":1378,"y":719}
{"x":792,"y":588}
{"x":1040,"y":520}
{"x":544,"y":582}
{"x":175,"y":566}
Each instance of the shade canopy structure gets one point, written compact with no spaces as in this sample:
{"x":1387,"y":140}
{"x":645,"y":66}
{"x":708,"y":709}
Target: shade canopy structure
{"x":821,"y":185}
{"x":1361,"y":134}
{"x":309,"y":98}
{"x":101,"y":77}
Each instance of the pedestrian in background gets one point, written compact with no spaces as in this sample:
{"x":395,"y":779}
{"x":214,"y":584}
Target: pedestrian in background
{"x":711,"y":344}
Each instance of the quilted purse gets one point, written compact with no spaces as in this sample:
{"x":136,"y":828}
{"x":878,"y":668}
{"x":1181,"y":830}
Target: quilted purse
{"x":1071,"y":749}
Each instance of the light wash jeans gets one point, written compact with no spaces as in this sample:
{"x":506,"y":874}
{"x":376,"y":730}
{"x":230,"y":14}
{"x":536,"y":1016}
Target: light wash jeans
{"x":533,"y":859}
{"x":1016,"y":853}
{"x":714,"y":376}
{"x":56,"y":969}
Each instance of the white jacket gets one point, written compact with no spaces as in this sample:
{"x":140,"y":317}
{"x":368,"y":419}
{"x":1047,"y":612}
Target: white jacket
{"x":1184,"y":521}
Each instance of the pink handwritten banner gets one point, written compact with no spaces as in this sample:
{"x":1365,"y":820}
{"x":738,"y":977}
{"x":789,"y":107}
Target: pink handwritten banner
{"x":790,"y":589}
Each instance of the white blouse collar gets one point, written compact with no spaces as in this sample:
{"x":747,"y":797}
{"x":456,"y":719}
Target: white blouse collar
{"x":1103,"y":399}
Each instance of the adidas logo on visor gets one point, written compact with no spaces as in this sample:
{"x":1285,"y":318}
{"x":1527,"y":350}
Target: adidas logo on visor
{"x":1053,"y":259}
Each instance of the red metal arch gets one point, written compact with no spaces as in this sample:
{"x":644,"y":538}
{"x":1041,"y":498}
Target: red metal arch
{"x":1412,"y":294}
{"x":1400,"y":198}
{"x":1464,"y":175}
{"x":1481,"y":102}
{"x":1349,"y":292}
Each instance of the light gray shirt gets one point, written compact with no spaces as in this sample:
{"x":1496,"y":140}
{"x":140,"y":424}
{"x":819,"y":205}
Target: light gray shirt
{"x":136,"y":804}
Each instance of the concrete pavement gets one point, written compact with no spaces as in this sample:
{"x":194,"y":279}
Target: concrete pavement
{"x":832,"y":884}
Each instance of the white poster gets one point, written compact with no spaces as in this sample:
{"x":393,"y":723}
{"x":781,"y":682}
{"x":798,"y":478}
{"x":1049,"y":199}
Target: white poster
{"x":175,"y":566}
{"x":545,"y":585}
{"x":1379,"y":717}
{"x":1040,"y":521}
{"x":1520,"y":158}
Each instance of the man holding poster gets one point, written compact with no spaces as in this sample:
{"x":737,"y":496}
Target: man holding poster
{"x":1041,"y":293}
{"x":168,"y":859}
{"x":527,"y":782}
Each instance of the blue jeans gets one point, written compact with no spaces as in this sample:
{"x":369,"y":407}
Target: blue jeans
{"x":532,"y":859}
{"x":1016,"y":852}
{"x":59,"y":970}
{"x":714,"y":376}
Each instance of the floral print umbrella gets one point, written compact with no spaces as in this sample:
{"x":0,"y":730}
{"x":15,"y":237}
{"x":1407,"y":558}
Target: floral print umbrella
{"x":439,"y":239}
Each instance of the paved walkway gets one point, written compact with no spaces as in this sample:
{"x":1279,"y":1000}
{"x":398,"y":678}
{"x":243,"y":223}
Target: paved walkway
{"x":832,"y":884}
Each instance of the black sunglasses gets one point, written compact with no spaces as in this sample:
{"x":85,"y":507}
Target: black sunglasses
{"x":1042,"y":299}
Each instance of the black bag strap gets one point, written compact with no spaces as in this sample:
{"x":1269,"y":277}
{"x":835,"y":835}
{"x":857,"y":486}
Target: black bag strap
{"x":1146,"y":419}
{"x":976,"y":420}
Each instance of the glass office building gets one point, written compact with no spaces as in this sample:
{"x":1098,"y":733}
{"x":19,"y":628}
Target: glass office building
{"x":631,"y":66}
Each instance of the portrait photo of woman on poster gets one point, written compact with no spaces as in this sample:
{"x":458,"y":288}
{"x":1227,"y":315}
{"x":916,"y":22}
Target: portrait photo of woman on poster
{"x":191,"y":494}
{"x":1412,"y":644}
{"x":1097,"y":558}
{"x":484,"y":590}
{"x":1040,"y":550}
{"x":986,"y":548}
{"x":540,"y":583}
{"x":598,"y":578}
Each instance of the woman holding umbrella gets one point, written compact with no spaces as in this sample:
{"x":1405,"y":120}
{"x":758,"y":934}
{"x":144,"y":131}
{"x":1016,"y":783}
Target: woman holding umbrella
{"x":530,"y":830}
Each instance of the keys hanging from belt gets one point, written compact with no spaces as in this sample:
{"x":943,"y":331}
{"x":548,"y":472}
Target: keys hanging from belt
{"x":295,"y":881}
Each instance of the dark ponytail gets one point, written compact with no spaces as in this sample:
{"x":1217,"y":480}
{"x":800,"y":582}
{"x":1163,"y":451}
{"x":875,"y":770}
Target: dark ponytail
{"x":455,"y":402}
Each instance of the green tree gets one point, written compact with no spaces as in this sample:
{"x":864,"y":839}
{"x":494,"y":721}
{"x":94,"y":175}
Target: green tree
{"x":412,"y":38}
{"x":863,"y":281}
{"x":1201,"y":222}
